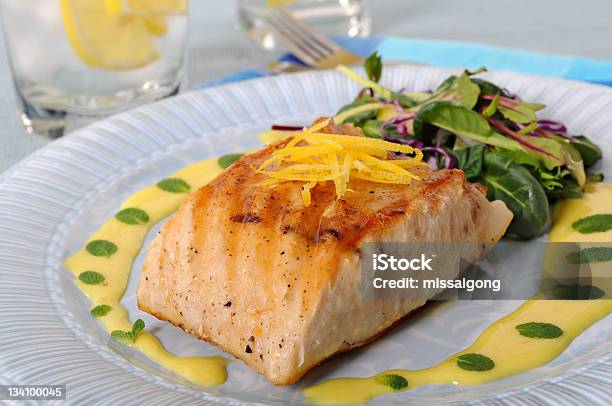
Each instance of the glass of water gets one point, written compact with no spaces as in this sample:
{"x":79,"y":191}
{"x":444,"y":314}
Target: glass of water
{"x":343,"y":17}
{"x":91,"y":57}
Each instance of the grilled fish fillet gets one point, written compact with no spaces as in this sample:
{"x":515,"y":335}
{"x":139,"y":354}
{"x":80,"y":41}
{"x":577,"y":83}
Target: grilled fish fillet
{"x":248,"y":268}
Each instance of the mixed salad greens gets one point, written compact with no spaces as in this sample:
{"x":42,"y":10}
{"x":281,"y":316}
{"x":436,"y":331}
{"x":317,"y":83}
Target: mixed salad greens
{"x":491,"y":134}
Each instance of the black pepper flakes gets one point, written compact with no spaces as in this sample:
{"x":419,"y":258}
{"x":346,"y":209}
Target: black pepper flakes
{"x":228,"y":304}
{"x":248,"y":349}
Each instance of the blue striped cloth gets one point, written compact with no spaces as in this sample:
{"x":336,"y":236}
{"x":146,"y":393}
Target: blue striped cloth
{"x":462,"y":55}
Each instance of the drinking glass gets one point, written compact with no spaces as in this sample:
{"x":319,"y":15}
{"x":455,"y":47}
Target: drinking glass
{"x":91,"y":57}
{"x":344,"y":17}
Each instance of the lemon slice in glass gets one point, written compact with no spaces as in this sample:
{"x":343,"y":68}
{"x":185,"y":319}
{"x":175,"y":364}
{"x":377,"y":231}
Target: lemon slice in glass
{"x":105,"y":37}
{"x":278,"y":3}
{"x":154,"y":12}
{"x":157,"y":6}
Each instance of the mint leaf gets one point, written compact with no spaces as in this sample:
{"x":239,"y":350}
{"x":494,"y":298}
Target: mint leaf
{"x":129,"y":336}
{"x":101,"y":248}
{"x":539,"y":330}
{"x":138,"y":326}
{"x":100,"y":310}
{"x":132,"y":215}
{"x":226,"y":160}
{"x":475,"y":362}
{"x":590,"y":255}
{"x":373,"y":67}
{"x":91,"y":277}
{"x":174,"y":185}
{"x":577,"y":292}
{"x":597,"y":223}
{"x":395,"y":382}
{"x":125,"y":336}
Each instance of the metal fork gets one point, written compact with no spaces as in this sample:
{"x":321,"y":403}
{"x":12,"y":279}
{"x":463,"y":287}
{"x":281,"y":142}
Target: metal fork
{"x":308,"y":45}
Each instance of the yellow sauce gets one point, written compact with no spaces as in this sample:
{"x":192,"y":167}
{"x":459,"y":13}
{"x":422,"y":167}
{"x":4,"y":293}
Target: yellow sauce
{"x":501,"y":342}
{"x":129,"y":238}
{"x":597,"y":200}
{"x":511,"y":352}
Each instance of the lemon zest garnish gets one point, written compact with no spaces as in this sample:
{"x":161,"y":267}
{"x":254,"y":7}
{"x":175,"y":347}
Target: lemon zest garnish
{"x":317,"y":126}
{"x":314,"y":176}
{"x":371,"y":163}
{"x":357,"y":142}
{"x":407,"y":163}
{"x":321,"y":157}
{"x":272,"y":136}
{"x":306,"y":192}
{"x":296,"y":139}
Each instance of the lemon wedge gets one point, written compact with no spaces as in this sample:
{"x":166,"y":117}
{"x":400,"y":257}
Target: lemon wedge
{"x":278,"y":3}
{"x":105,"y":37}
{"x":157,"y":6}
{"x":154,"y":12}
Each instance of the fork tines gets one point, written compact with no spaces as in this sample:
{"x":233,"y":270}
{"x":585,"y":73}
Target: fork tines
{"x":310,"y":46}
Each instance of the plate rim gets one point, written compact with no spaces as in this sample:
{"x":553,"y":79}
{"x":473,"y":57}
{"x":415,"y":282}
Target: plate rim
{"x":82,"y":134}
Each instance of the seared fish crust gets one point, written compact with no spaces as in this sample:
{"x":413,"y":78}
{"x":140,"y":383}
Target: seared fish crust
{"x":248,"y":268}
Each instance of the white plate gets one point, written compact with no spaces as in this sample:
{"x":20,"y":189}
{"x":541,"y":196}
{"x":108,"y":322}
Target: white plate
{"x":52,"y":201}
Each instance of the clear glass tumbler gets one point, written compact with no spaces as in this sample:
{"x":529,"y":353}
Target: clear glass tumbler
{"x":343,"y":17}
{"x":91,"y":57}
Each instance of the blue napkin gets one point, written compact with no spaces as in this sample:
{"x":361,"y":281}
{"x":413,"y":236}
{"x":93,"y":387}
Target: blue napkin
{"x":462,"y":55}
